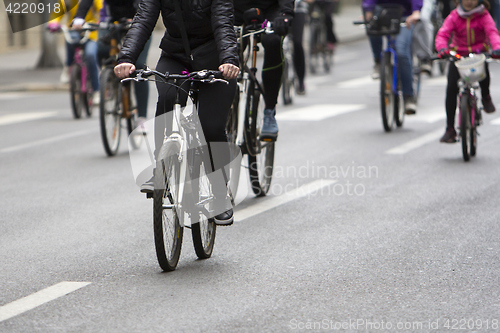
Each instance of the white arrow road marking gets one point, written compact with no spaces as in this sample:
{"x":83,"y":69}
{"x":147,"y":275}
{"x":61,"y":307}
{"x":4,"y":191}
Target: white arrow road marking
{"x":415,"y":143}
{"x":267,"y":204}
{"x":39,"y":298}
{"x":22,"y":117}
{"x":319,"y":112}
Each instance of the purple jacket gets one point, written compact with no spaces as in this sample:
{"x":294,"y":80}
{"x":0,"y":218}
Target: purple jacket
{"x":409,"y":5}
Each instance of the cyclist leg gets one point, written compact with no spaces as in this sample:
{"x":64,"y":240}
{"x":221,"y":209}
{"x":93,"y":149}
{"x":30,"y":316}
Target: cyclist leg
{"x":485,"y":92}
{"x":299,"y":60}
{"x":405,"y":68}
{"x":331,"y":38}
{"x":142,"y":88}
{"x":272,"y":73}
{"x":214,"y":104}
{"x":376,"y":46}
{"x":450,"y":134}
{"x":91,"y":62}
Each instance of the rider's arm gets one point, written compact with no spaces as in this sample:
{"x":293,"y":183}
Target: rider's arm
{"x":444,"y":33}
{"x":491,"y":31}
{"x":83,"y":8}
{"x":223,"y":27}
{"x":140,"y":31}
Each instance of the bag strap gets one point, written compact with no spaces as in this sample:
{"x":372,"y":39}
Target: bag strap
{"x":185,"y":39}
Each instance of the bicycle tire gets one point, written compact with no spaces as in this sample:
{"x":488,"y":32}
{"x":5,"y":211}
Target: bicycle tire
{"x":399,"y":109}
{"x":253,"y":119}
{"x":473,"y":130}
{"x":387,"y":96}
{"x":135,"y":138}
{"x":89,"y":103}
{"x":204,"y":230}
{"x":232,"y":132}
{"x":417,"y":77}
{"x":75,"y":87}
{"x":314,"y":44}
{"x":110,"y":112}
{"x":168,"y":231}
{"x":287,"y":81}
{"x":465,"y":126}
{"x":260,"y":169}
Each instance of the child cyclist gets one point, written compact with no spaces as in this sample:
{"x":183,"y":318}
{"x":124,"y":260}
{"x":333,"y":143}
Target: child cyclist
{"x":472,"y":30}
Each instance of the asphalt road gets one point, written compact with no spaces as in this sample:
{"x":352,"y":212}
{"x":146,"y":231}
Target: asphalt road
{"x":400,"y":233}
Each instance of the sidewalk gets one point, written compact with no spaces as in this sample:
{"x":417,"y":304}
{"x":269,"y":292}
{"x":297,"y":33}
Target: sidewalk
{"x":18,"y":73}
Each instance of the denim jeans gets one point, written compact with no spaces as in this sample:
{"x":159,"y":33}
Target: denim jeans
{"x":90,"y":58}
{"x":404,"y":55}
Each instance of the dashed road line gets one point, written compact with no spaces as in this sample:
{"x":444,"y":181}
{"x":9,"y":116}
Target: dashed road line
{"x":46,"y":141}
{"x":41,"y":297}
{"x":23,"y":117}
{"x":415,"y":143}
{"x":268,"y":204}
{"x":319,"y":112}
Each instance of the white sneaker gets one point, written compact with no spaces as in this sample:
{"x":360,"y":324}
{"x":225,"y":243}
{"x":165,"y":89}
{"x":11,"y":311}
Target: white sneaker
{"x":96,"y":98}
{"x":141,"y":125}
{"x":376,"y":72}
{"x":64,"y":78}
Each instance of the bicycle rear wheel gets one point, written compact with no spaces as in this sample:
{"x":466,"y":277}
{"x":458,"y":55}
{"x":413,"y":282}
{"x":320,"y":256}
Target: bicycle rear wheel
{"x":168,"y":231}
{"x":110,"y":111}
{"x":261,"y":169}
{"x":465,"y":127}
{"x":417,"y":74}
{"x":203,"y":229}
{"x":288,"y":79}
{"x":386,"y":94}
{"x":399,"y":106}
{"x":77,"y":97}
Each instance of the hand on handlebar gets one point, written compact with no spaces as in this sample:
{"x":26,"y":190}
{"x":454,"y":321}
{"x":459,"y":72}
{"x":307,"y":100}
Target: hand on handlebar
{"x":124,"y":70}
{"x":413,"y":18}
{"x":281,"y":24}
{"x":229,"y":71}
{"x":443,"y":54}
{"x":77,"y":23}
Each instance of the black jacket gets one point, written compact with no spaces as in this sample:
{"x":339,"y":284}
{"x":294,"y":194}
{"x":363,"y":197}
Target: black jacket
{"x":204,"y":20}
{"x":280,"y":7}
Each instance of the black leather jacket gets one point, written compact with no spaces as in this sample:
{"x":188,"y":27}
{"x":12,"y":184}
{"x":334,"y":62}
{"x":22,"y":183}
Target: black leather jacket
{"x":204,"y":20}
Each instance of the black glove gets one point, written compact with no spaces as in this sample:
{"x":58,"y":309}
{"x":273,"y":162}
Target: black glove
{"x":495,"y":54}
{"x":443,"y":53}
{"x":281,"y":24}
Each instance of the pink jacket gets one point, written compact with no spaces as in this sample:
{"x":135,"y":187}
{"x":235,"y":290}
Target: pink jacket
{"x":472,"y":34}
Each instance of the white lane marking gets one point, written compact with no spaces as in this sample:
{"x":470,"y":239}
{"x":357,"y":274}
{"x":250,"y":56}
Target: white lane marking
{"x":22,"y":117}
{"x":273,"y":202}
{"x":416,"y":143}
{"x":495,"y":121}
{"x":45,"y":141}
{"x":428,"y":115}
{"x":361,"y":81}
{"x":319,"y":112}
{"x":39,"y":298}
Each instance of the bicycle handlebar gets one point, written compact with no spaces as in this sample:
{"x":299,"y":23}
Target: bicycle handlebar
{"x":205,"y":76}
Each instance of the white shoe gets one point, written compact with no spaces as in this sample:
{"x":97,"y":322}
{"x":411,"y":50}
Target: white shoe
{"x":96,"y":98}
{"x":64,"y":78}
{"x":376,"y":72}
{"x":141,"y":125}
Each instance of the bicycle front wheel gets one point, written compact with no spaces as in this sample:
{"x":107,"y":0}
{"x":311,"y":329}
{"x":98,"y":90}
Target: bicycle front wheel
{"x":287,"y":82}
{"x":135,"y":138}
{"x":399,"y":106}
{"x":110,"y":111}
{"x":77,"y":97}
{"x":168,"y":231}
{"x":386,"y":93}
{"x":203,"y":227}
{"x":232,"y":132}
{"x":465,"y":127}
{"x":89,"y":103}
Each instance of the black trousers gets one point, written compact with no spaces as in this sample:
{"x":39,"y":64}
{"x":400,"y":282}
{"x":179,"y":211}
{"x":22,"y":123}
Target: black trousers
{"x":452,"y":92}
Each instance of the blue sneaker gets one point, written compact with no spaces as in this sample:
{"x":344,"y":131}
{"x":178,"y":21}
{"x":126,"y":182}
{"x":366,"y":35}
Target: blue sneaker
{"x":270,"y":127}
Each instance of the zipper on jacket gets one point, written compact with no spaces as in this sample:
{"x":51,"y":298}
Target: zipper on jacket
{"x":468,"y":31}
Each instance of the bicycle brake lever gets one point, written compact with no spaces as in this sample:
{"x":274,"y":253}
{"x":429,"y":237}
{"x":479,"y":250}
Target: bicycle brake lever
{"x":218,"y":80}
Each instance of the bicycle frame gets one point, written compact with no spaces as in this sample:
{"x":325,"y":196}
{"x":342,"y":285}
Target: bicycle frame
{"x":391,"y":48}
